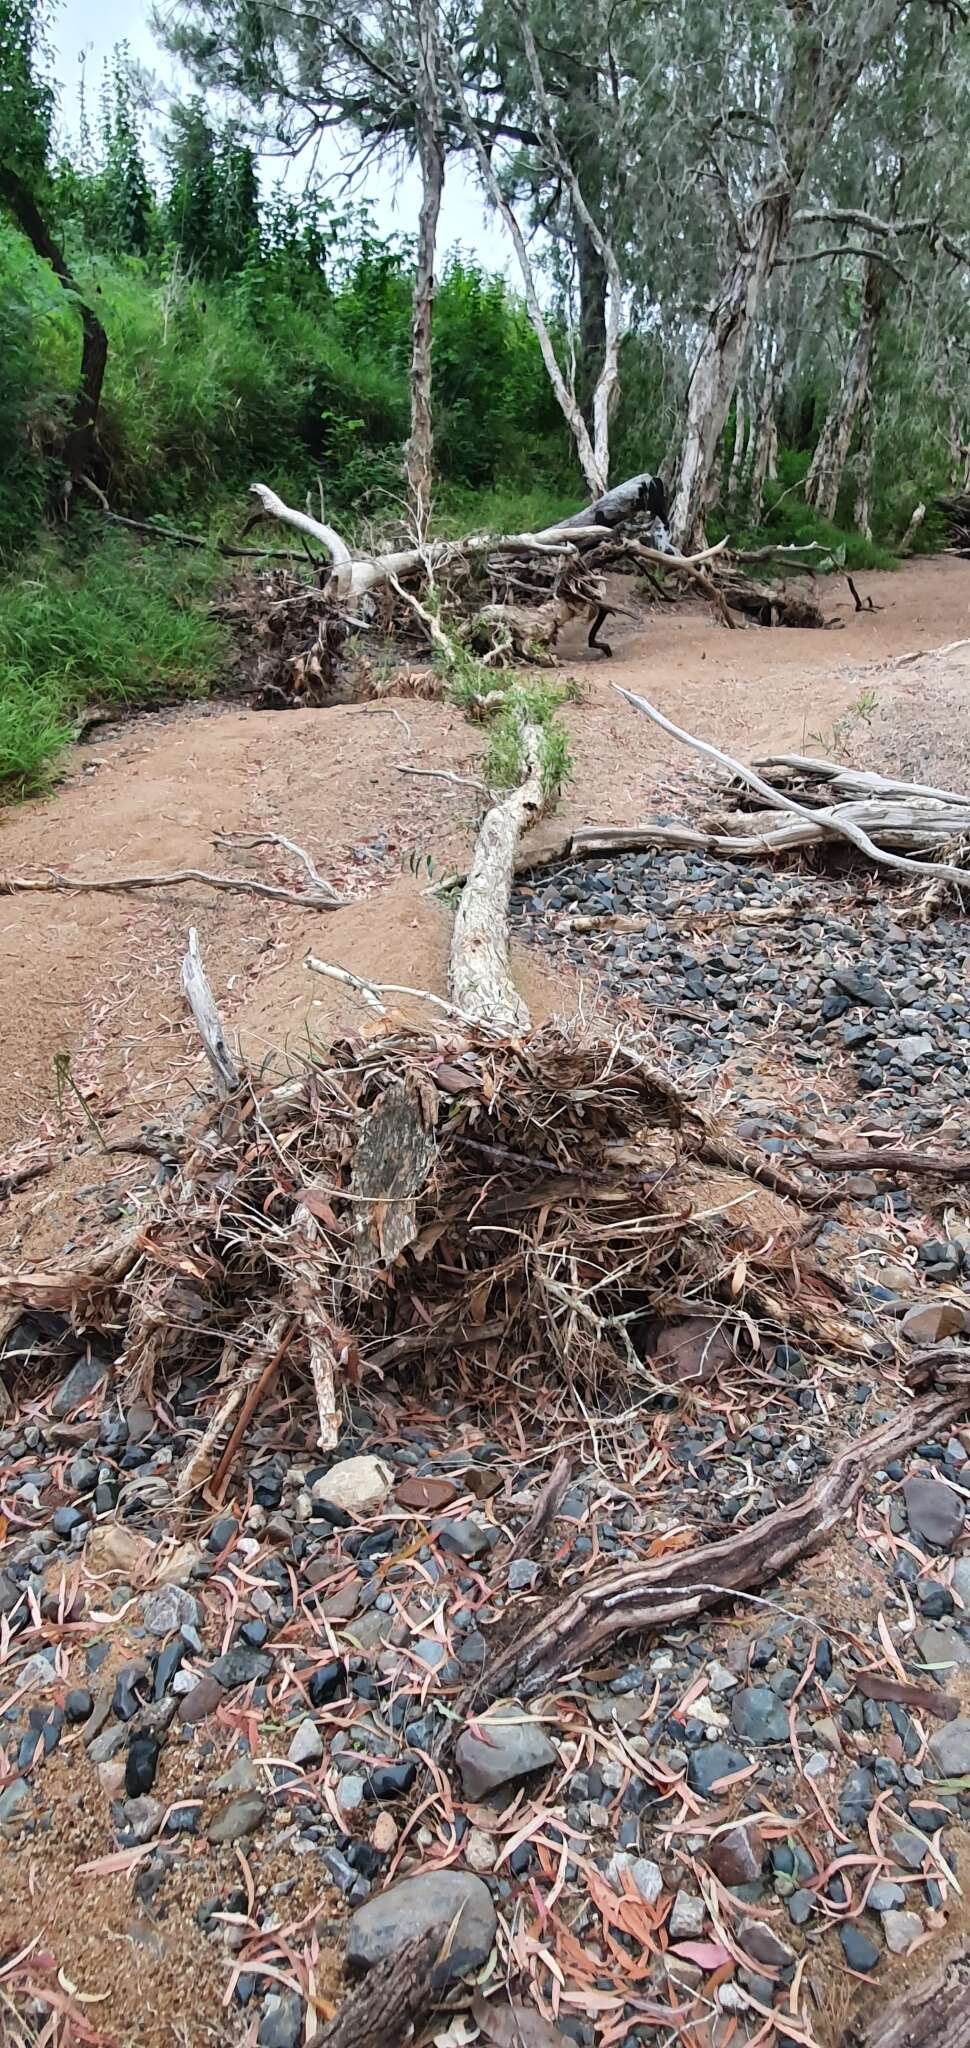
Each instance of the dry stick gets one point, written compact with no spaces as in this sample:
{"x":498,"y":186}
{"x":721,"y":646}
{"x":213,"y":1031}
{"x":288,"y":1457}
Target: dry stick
{"x":202,"y":1004}
{"x":545,"y":1507}
{"x":621,"y":1602}
{"x":828,"y":820}
{"x":860,"y":781}
{"x":57,"y":885}
{"x":896,"y":1159}
{"x":442,"y":775}
{"x":248,"y":1389}
{"x":370,"y":992}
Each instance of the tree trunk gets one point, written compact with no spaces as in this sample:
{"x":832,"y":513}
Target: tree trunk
{"x":592,"y":314}
{"x":81,"y":452}
{"x":862,"y":512}
{"x":715,"y":374}
{"x":736,"y":474}
{"x":419,"y":452}
{"x":824,"y":480}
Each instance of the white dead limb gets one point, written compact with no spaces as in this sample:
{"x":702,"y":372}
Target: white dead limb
{"x":328,"y":537}
{"x":202,"y":1004}
{"x":442,"y":775}
{"x":841,"y":823}
{"x":479,"y":971}
{"x":854,"y":782}
{"x":372,"y":992}
{"x":318,"y":1328}
{"x":916,"y":521}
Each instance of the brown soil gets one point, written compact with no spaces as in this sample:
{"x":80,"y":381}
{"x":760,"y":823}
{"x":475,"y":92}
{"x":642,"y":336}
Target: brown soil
{"x":96,"y":978}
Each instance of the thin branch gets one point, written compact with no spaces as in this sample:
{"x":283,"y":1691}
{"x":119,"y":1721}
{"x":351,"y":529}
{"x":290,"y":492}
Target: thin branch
{"x":59,"y":885}
{"x":290,"y":846}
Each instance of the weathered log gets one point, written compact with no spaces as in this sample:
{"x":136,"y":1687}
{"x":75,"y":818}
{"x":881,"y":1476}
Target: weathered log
{"x":393,"y":1997}
{"x":933,"y":2013}
{"x":893,"y":1159}
{"x":479,"y":974}
{"x":202,"y":1004}
{"x":614,"y":1603}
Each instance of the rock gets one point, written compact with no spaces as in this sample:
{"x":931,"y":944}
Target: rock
{"x":241,"y":1665}
{"x":860,"y":1953}
{"x":710,"y":1762}
{"x":934,"y":1511}
{"x":470,"y":1538}
{"x":282,"y":2023}
{"x":306,"y":1746}
{"x":961,"y":1581}
{"x":143,"y":1818}
{"x":691,"y":1350}
{"x":36,"y":1673}
{"x":764,"y":1946}
{"x":444,"y":1899}
{"x":13,"y":1799}
{"x":801,"y":1906}
{"x":909,"y":1848}
{"x":240,"y":1816}
{"x":737,"y":1857}
{"x":759,"y":1716}
{"x":426,"y":1496}
{"x":64,"y":1521}
{"x":523,"y":1574}
{"x":328,"y":1682}
{"x":687,"y":1917}
{"x":78,"y":1704}
{"x":858,"y":1794}
{"x":862,"y":988}
{"x":481,"y":1851}
{"x":648,"y":1879}
{"x":929,"y":1322}
{"x":202,"y":1701}
{"x":389,"y":1781}
{"x":885,"y":1897}
{"x":79,"y":1385}
{"x":515,"y":1747}
{"x":350,"y":1792}
{"x":142,"y":1764}
{"x":942,"y":1650}
{"x":359,"y":1486}
{"x":901,"y":1930}
{"x":114,"y":1547}
{"x":167,"y":1609}
{"x":384,"y":1834}
{"x":222,"y":1533}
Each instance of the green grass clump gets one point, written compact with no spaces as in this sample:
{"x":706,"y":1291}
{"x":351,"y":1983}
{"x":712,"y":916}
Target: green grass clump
{"x":120,"y":625}
{"x":527,"y":703}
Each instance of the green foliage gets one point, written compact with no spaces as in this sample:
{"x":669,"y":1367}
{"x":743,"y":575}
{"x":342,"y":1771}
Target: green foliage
{"x":789,"y":522}
{"x":527,"y":703}
{"x":26,"y":97}
{"x":97,"y":621}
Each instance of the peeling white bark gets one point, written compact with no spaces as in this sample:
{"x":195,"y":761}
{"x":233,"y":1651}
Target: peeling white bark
{"x":824,"y":480}
{"x":479,"y":973}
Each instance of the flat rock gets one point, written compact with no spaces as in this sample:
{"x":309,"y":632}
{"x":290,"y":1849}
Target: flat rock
{"x":240,"y":1816}
{"x":860,"y":1953}
{"x":514,"y":1747}
{"x":688,"y":1915}
{"x":468,"y":1538}
{"x":737,"y":1856}
{"x":169,"y":1608}
{"x":929,"y":1322}
{"x":78,"y":1386}
{"x":710,"y":1762}
{"x":901,"y":1930}
{"x":202,"y":1701}
{"x":307,"y":1744}
{"x":764,"y":1946}
{"x":943,"y":1649}
{"x":759,"y":1716}
{"x":445,"y":1899}
{"x":934,"y":1511}
{"x":357,"y":1485}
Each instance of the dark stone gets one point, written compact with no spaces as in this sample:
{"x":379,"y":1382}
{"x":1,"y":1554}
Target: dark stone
{"x":240,"y":1666}
{"x":758,"y":1716}
{"x":389,"y":1781}
{"x":167,"y":1663}
{"x":65,"y":1520}
{"x":327,"y":1683}
{"x":445,"y":1899}
{"x":713,"y":1760}
{"x":131,"y":1692}
{"x":860,"y":1953}
{"x":141,"y":1764}
{"x":78,"y":1704}
{"x":858,"y":1794}
{"x":223,"y":1532}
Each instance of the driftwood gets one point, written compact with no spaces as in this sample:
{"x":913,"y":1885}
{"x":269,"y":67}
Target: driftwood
{"x":571,"y":1632}
{"x":390,"y":2002}
{"x":855,"y":823}
{"x":933,"y":2013}
{"x":479,"y":975}
{"x":202,"y":1004}
{"x":893,"y":1159}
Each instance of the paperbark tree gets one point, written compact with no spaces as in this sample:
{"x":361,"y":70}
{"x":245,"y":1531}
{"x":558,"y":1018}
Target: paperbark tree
{"x":824,"y":480}
{"x":819,"y":58}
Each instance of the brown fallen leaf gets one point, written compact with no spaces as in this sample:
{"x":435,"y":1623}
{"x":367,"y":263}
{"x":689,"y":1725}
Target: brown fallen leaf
{"x":515,"y":2026}
{"x":924,"y":1697}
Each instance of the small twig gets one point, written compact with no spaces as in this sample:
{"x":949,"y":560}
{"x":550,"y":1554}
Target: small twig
{"x":371,"y":992}
{"x":545,"y":1507}
{"x":443,"y":775}
{"x":278,"y":839}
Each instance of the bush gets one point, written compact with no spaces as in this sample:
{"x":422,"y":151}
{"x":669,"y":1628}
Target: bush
{"x":110,"y":624}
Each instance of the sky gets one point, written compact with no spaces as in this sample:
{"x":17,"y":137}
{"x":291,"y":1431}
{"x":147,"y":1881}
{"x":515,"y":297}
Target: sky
{"x":86,"y":31}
